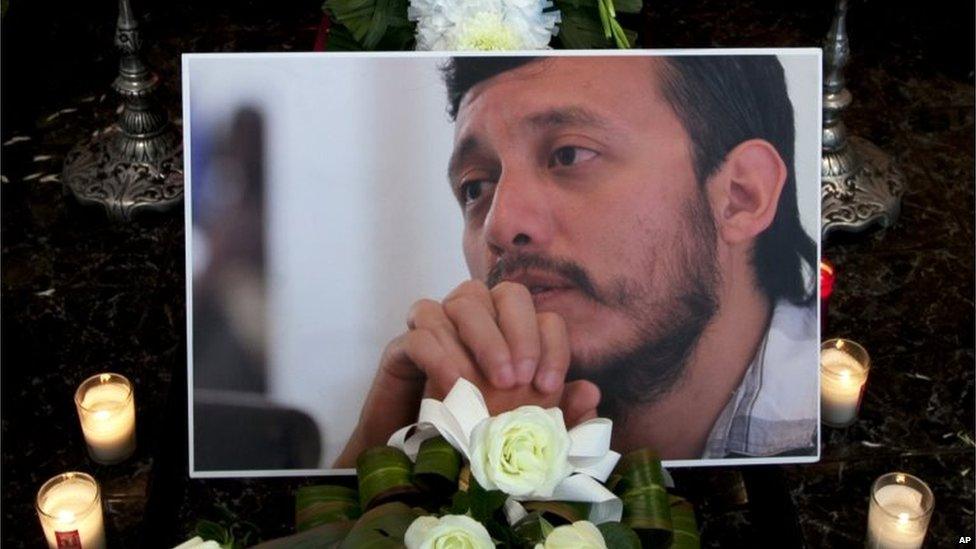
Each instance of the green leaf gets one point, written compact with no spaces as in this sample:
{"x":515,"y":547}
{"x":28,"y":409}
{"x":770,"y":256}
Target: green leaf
{"x":639,"y":482}
{"x":501,"y":532}
{"x":620,"y":6}
{"x":547,"y":527}
{"x":685,"y":528}
{"x":211,"y":531}
{"x":369,"y":20}
{"x":587,"y":24}
{"x":397,"y":39}
{"x":619,"y":536}
{"x":532,"y":529}
{"x":631,"y":37}
{"x":619,"y":37}
{"x":628,"y":6}
{"x":581,"y":29}
{"x":605,"y":19}
{"x":460,"y":503}
{"x":384,"y":473}
{"x":381,"y":527}
{"x":483,"y":502}
{"x":566,"y":511}
{"x":324,"y":536}
{"x":438,"y":466}
{"x":242,"y":533}
{"x":341,"y":39}
{"x":315,"y":505}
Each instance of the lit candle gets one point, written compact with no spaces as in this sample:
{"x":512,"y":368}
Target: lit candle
{"x":107,"y":411}
{"x":69,"y":507}
{"x":899,"y":513}
{"x":843,"y":371}
{"x":827,"y":277}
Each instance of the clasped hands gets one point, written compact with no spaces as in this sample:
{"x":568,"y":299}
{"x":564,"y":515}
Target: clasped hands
{"x":495,"y":339}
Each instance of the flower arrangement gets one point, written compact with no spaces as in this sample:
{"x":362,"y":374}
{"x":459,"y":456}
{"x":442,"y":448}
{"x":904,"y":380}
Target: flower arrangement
{"x":477,"y":25}
{"x":462,"y":478}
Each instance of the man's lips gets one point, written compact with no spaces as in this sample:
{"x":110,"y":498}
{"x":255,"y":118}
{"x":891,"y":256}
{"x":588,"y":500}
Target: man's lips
{"x":540,"y":284}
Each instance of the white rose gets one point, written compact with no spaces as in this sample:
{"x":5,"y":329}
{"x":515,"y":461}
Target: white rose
{"x":524,"y":452}
{"x":578,"y":535}
{"x":455,"y":531}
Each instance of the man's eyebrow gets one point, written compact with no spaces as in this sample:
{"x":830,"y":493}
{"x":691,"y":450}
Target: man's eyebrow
{"x":565,"y":116}
{"x":467,"y":146}
{"x":547,"y":119}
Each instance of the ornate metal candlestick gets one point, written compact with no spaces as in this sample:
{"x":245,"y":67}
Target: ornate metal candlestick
{"x":860,"y":185}
{"x":137,"y":164}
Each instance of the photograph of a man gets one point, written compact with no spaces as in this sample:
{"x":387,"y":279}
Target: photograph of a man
{"x":635,"y":250}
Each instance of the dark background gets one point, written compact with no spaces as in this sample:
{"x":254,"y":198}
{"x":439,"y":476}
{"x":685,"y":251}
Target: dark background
{"x":52,"y":49}
{"x":80,"y":295}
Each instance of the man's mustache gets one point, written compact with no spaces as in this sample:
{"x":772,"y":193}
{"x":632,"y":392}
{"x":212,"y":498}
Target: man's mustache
{"x":568,"y":270}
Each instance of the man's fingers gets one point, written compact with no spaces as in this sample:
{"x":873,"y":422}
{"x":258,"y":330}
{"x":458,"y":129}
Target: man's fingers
{"x":480,"y":334}
{"x":579,"y":402}
{"x":476,"y":290}
{"x":519,"y":326}
{"x":409,"y":356}
{"x":418,"y":355}
{"x":429,"y":314}
{"x":554,"y":363}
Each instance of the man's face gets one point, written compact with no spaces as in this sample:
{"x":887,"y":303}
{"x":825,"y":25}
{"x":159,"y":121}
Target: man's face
{"x":576,"y":179}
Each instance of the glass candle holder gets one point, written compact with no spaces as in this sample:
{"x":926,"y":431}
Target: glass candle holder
{"x":107,"y":412}
{"x":899,"y":513}
{"x":844,"y":369}
{"x":69,"y":507}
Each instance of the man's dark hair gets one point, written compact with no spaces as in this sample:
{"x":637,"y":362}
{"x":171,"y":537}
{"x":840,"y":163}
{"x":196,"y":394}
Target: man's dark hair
{"x":721,"y":101}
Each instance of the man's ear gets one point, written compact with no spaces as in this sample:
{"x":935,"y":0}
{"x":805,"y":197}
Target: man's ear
{"x":745,"y":191}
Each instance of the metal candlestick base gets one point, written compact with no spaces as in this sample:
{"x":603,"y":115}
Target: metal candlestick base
{"x":860,"y":186}
{"x":137,"y":164}
{"x":97,"y":174}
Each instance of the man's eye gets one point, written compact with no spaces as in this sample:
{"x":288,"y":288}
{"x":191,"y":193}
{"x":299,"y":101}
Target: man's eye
{"x":472,"y":190}
{"x":567,"y":156}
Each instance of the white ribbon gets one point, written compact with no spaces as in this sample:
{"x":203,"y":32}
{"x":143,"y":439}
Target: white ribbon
{"x":590,"y":455}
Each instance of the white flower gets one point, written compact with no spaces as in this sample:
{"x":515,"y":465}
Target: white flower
{"x":449,"y":531}
{"x":198,"y":543}
{"x":483,"y":24}
{"x":578,"y":535}
{"x":524,"y":452}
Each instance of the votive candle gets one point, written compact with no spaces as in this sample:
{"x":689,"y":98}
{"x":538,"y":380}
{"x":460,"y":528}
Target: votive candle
{"x":899,"y":513}
{"x":107,"y":411}
{"x":827,"y":277}
{"x":843,"y":373}
{"x":69,"y":507}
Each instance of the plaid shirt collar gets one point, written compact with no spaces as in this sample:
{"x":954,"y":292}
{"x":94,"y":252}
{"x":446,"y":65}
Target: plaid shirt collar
{"x":774,"y":409}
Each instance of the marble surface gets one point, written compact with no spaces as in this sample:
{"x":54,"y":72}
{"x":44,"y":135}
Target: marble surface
{"x":80,"y":295}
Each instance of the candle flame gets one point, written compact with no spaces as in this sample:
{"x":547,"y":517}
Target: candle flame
{"x":903,"y":518}
{"x":845,"y":376}
{"x":102,"y":415}
{"x":105,"y":378}
{"x":900,"y":478}
{"x":66,"y":516}
{"x":839,"y":344}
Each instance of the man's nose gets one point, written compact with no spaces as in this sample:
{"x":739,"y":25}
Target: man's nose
{"x":520,"y":217}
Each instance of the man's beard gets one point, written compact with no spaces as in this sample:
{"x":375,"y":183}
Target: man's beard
{"x":643,"y":372}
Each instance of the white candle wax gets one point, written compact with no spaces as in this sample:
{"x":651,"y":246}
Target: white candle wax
{"x":893,"y":520}
{"x":841,"y":380}
{"x":70,"y":510}
{"x":107,"y":413}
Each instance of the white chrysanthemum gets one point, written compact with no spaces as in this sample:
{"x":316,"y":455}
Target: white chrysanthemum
{"x":447,"y":25}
